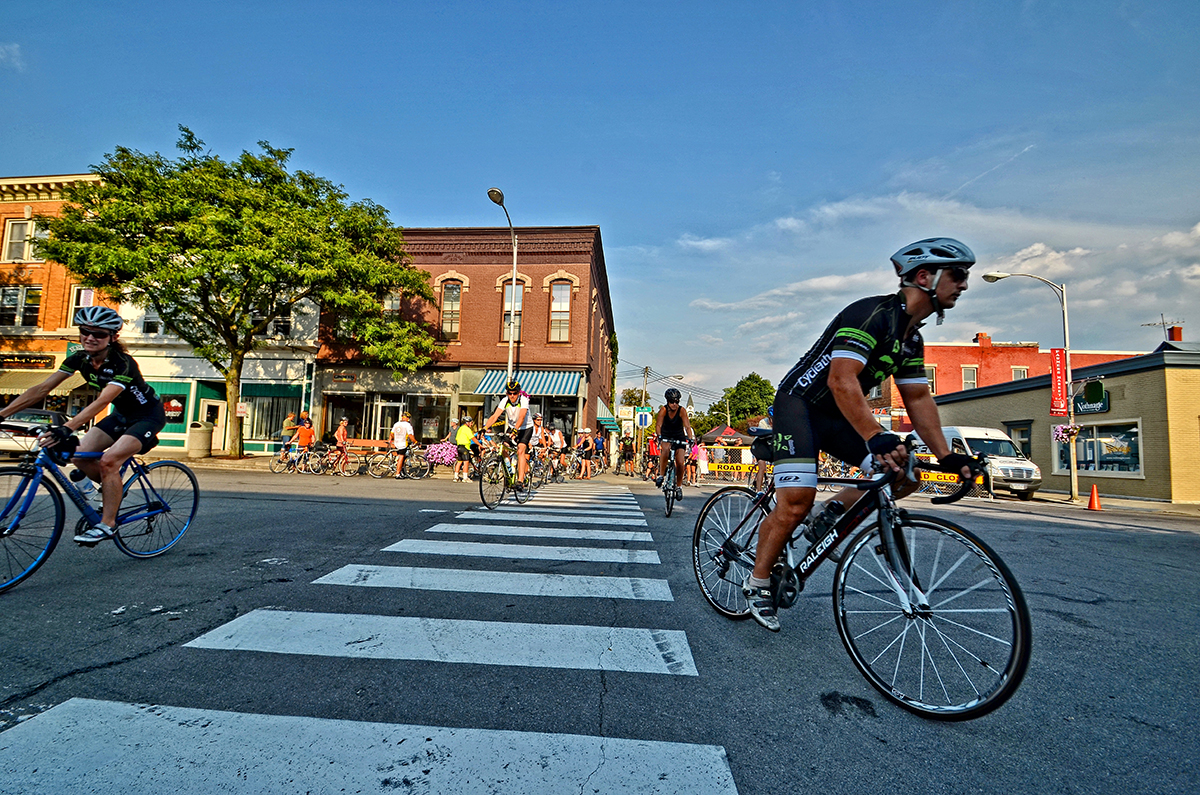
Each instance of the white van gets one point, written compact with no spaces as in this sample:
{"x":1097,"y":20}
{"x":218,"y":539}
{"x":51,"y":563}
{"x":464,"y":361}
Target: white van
{"x":1007,"y":466}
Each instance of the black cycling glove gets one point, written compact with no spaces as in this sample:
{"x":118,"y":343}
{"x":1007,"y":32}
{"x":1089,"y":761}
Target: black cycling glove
{"x":60,"y":432}
{"x":883,"y":443}
{"x":954,"y":462}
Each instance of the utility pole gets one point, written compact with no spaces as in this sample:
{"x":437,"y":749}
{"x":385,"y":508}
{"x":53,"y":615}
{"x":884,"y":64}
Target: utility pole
{"x":641,"y":433}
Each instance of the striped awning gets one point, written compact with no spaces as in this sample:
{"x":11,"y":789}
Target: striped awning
{"x":14,"y":382}
{"x":552,"y":383}
{"x":605,"y":417}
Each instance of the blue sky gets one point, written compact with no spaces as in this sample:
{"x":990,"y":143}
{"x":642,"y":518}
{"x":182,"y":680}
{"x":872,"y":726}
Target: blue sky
{"x":751,"y":165}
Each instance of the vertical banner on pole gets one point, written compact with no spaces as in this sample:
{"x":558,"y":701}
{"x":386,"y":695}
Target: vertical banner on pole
{"x":1059,"y":392}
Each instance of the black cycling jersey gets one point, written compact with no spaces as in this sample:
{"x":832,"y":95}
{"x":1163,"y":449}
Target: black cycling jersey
{"x":870,"y":331}
{"x":672,"y":427}
{"x":137,"y":399}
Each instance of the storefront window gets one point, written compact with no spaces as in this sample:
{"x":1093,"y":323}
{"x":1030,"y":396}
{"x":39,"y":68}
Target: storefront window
{"x":1115,"y":448}
{"x":266,"y":415}
{"x":430,"y":416}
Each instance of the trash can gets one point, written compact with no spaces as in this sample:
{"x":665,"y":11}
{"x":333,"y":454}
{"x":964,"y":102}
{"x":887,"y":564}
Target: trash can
{"x":199,"y":441}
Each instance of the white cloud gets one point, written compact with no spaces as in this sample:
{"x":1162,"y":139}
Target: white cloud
{"x":10,"y":56}
{"x":1041,"y":260}
{"x":709,"y":339}
{"x":688,"y":241}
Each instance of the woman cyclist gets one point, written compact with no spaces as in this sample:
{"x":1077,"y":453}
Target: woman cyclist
{"x":130,"y":429}
{"x":675,"y":433}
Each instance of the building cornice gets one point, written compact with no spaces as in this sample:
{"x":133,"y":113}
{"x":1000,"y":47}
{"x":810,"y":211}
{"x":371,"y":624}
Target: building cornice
{"x":50,"y":188}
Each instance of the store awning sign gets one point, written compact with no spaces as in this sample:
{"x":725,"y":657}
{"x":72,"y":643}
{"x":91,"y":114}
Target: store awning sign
{"x":1058,"y":383}
{"x":343,"y":378}
{"x":26,"y":361}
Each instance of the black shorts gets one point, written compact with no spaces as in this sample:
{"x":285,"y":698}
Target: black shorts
{"x":463,"y":453}
{"x":627,"y":455}
{"x":144,"y":428}
{"x":523,"y":436}
{"x":801,"y":432}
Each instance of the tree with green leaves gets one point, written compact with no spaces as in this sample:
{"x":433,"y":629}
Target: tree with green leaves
{"x":751,"y":396}
{"x":219,"y":250}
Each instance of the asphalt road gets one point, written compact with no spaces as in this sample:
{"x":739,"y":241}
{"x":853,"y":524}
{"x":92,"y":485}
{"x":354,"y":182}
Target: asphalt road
{"x":1107,"y":705}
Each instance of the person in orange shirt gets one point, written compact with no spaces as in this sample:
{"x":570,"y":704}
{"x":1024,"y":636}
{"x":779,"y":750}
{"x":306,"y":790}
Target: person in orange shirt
{"x":305,"y":436}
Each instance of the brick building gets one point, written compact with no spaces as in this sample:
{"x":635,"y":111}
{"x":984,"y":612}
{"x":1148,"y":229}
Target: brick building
{"x":957,"y":366}
{"x":564,"y":331}
{"x":37,"y":298}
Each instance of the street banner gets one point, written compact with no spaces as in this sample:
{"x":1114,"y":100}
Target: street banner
{"x":1058,"y":383}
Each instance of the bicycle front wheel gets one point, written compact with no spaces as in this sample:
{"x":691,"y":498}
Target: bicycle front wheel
{"x":492,"y":482}
{"x":417,"y":466}
{"x":160,"y":504}
{"x":26,"y":538}
{"x":950,"y":643}
{"x":381,"y":465}
{"x":669,"y":492}
{"x":278,"y":464}
{"x":723,"y":548}
{"x":349,"y":466}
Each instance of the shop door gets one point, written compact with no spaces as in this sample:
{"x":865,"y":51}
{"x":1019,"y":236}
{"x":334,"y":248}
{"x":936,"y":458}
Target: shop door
{"x":214,"y":411}
{"x":388,"y":415}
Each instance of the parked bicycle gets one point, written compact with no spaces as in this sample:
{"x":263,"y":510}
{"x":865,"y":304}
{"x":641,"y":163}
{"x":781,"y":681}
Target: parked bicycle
{"x":498,"y":474}
{"x":157,"y":507}
{"x":416,"y":466}
{"x":927,"y":611}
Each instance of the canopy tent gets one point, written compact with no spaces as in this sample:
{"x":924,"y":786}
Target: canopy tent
{"x":727,"y":435}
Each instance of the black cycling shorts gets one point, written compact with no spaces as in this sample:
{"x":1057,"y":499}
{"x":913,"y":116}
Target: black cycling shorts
{"x":523,"y":436}
{"x":463,"y":453}
{"x":144,"y":428}
{"x":801,"y":432}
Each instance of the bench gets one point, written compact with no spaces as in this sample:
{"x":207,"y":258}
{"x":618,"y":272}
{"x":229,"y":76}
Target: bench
{"x":368,"y":445}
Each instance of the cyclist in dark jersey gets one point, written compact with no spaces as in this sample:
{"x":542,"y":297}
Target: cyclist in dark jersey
{"x":675,"y":428}
{"x":130,"y":428}
{"x":821,"y":403}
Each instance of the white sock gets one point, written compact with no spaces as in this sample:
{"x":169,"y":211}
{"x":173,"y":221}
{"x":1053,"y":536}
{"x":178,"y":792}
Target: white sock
{"x":755,"y":582}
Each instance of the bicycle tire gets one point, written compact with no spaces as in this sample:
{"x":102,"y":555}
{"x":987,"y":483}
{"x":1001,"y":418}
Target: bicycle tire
{"x":493,"y":482}
{"x":278,"y":464}
{"x":720,"y":577}
{"x":168,"y":482}
{"x":350,"y":466}
{"x":380,"y":465}
{"x":669,"y":489}
{"x":25,"y":547}
{"x":417,"y":466}
{"x":972,"y":639}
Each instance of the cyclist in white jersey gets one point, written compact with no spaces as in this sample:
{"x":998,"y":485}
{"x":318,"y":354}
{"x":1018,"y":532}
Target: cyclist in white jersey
{"x":519,"y":420}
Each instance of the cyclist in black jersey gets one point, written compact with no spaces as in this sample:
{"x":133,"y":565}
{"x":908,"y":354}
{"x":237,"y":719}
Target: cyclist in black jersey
{"x":821,"y":403}
{"x":131,"y":427}
{"x":673,"y":427}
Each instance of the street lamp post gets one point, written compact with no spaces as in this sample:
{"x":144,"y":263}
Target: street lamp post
{"x":497,"y":195}
{"x":1061,"y":291}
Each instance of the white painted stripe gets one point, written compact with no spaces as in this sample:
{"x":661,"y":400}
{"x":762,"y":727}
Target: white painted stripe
{"x":650,"y":651}
{"x":418,"y":546}
{"x":506,"y":582}
{"x":536,"y":508}
{"x":103,"y":746}
{"x":494,"y":516}
{"x":524,"y":531}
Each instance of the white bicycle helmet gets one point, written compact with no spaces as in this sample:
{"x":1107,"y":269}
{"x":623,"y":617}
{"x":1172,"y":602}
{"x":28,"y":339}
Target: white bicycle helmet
{"x":935,"y":254}
{"x":98,"y":317}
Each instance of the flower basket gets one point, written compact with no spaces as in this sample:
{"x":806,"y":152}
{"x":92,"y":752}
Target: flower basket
{"x":443,"y":453}
{"x":1066,"y":433}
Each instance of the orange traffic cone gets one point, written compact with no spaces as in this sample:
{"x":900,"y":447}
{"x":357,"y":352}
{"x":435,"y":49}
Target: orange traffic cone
{"x":1094,"y":502}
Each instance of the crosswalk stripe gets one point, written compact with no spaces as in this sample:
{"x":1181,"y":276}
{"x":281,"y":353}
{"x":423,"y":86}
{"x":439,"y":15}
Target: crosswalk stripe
{"x":505,"y":582}
{"x":106,"y":746}
{"x":417,"y":546}
{"x":537,"y":508}
{"x":523,"y":531}
{"x":525,"y":516}
{"x":573,"y":646}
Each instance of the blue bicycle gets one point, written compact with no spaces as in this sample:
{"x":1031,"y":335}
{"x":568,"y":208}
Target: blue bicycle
{"x":157,"y":507}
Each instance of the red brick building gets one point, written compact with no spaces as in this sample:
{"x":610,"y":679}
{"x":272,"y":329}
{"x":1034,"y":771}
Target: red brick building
{"x":37,"y":298}
{"x":564,"y":332}
{"x":953,"y":367}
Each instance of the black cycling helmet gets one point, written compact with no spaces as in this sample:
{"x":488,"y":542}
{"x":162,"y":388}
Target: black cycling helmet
{"x":98,"y":317}
{"x":512,"y":386}
{"x":673,"y":395}
{"x":935,"y":254}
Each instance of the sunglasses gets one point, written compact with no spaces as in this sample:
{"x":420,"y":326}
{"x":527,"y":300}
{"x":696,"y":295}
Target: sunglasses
{"x":95,"y":334}
{"x":958,"y":274}
{"x":672,"y":402}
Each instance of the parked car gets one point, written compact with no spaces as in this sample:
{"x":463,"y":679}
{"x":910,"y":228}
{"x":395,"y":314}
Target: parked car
{"x":1007,"y":467}
{"x":33,"y":422}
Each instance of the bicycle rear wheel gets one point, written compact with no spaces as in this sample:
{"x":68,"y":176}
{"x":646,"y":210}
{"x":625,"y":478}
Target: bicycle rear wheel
{"x":26,"y":540}
{"x":492,"y":482}
{"x":962,"y":645}
{"x":720,"y":548}
{"x":161,"y":503}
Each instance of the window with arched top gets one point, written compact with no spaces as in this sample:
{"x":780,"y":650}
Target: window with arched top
{"x":512,"y":312}
{"x":451,"y":309}
{"x":560,"y":311}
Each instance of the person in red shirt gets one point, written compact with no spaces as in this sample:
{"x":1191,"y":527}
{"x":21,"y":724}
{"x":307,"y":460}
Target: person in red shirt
{"x":341,"y":437}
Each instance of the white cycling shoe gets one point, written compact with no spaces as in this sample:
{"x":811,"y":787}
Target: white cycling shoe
{"x":94,"y":535}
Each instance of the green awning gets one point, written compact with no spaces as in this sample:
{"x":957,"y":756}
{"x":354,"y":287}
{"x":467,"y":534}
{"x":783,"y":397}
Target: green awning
{"x":605,"y":417}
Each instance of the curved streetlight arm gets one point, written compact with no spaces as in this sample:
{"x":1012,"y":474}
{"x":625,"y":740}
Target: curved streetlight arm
{"x":497,"y":196}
